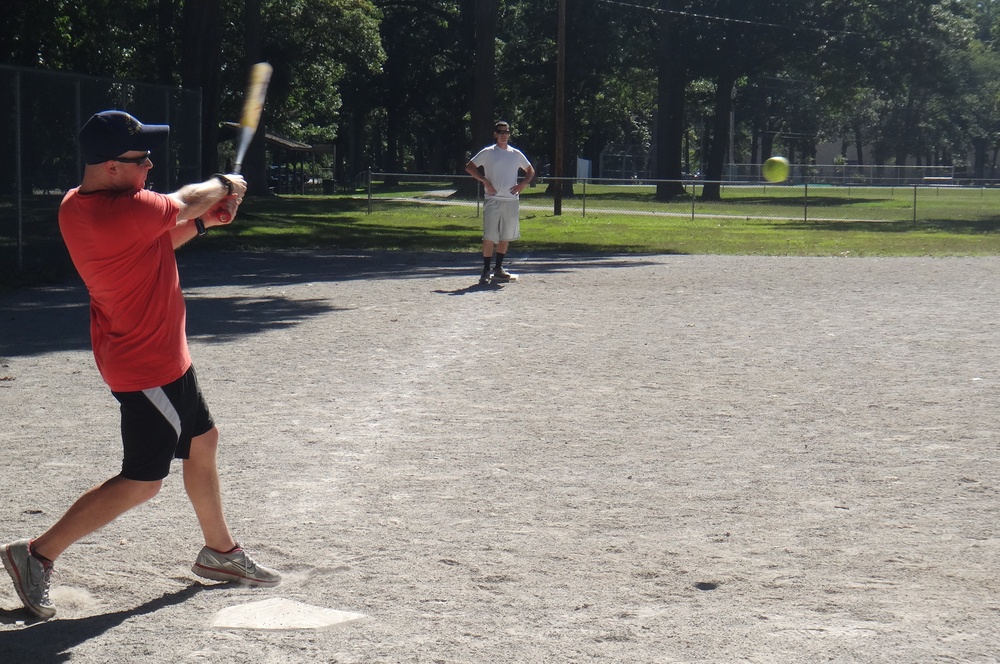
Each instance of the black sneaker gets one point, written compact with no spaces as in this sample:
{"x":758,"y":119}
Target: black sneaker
{"x":484,"y":278}
{"x":501,"y":274}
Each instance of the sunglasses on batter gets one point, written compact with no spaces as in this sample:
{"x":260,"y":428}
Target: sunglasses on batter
{"x":131,"y":160}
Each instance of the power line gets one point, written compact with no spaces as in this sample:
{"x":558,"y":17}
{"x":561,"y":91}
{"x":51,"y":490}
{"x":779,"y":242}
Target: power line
{"x":725,"y":19}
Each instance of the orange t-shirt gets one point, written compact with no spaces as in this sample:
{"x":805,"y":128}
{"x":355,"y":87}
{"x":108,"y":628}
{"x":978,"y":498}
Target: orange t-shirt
{"x":120,"y":244}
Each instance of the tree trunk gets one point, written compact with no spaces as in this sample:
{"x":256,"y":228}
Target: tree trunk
{"x":859,"y":143}
{"x":484,"y":13}
{"x":670,"y":88}
{"x":767,"y":142}
{"x":392,"y":163}
{"x":200,"y":68}
{"x":979,"y":163}
{"x":720,"y":137}
{"x":255,"y":163}
{"x":166,"y":33}
{"x":484,"y":74}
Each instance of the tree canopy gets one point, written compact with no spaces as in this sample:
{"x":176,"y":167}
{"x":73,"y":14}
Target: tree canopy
{"x":414,"y":85}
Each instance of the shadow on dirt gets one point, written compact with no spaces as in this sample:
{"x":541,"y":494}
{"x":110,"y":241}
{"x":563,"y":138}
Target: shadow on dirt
{"x":56,"y":318}
{"x":52,"y":642}
{"x":296,"y":267}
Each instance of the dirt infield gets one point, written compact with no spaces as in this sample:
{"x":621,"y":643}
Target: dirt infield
{"x":617,"y":459}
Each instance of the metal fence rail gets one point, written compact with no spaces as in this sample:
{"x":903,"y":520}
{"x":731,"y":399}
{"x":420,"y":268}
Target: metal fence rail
{"x":913,"y":203}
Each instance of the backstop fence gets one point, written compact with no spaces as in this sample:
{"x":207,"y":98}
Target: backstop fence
{"x":41,"y":113}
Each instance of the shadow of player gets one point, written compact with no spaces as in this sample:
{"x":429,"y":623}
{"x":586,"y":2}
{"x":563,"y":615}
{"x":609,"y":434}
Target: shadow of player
{"x":50,"y":642}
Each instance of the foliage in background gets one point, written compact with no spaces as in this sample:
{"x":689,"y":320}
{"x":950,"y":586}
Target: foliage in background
{"x":391,"y":83}
{"x":316,"y":44}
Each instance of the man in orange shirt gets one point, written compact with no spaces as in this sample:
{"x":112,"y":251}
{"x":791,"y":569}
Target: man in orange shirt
{"x":122,"y":238}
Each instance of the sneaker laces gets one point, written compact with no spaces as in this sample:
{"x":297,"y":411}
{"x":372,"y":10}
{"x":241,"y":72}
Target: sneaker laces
{"x":48,"y":569}
{"x":47,"y":572}
{"x":246,"y":554}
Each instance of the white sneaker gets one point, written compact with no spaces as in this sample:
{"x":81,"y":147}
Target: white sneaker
{"x":31,"y":578}
{"x":500,"y":274}
{"x":237,"y":566}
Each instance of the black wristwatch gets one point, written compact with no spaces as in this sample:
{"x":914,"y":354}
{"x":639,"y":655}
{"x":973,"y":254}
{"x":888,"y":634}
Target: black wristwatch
{"x":200,"y":225}
{"x":226,"y":181}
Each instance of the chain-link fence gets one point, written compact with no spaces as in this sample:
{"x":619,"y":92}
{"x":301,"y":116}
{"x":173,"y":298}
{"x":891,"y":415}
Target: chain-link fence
{"x":459,"y":196}
{"x":41,"y":113}
{"x":846,"y":175}
{"x":933,"y":201}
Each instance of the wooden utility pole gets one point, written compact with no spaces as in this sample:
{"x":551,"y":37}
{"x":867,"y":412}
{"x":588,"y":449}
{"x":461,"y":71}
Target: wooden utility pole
{"x":560,"y":109}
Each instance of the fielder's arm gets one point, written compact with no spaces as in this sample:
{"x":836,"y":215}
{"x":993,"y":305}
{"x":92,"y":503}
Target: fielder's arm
{"x":473,"y":170}
{"x":529,"y":173}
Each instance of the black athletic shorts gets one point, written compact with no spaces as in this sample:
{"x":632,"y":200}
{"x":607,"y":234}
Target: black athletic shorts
{"x":158,"y":425}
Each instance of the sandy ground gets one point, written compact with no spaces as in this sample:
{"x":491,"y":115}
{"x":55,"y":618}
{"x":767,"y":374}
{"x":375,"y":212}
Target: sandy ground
{"x":617,"y":459}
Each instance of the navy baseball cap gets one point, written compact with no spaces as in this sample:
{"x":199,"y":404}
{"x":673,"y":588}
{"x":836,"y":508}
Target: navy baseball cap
{"x":109,"y":134}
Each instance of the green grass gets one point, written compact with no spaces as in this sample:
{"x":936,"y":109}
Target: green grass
{"x":420,"y":216}
{"x":772,"y":221}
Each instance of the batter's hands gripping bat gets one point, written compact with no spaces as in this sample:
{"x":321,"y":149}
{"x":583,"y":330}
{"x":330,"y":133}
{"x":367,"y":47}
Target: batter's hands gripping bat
{"x":253,"y":105}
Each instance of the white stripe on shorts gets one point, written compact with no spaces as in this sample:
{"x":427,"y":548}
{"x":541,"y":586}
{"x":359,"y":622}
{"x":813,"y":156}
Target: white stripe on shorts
{"x":159,"y":399}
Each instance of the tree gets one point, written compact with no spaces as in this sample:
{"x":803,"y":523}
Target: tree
{"x":424,"y":86}
{"x":417,"y":84}
{"x":737,"y":40}
{"x":672,"y":78}
{"x":201,"y":56}
{"x":484,"y":72}
{"x":322,"y":51}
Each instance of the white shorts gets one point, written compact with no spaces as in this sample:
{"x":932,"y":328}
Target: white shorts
{"x":500,"y":219}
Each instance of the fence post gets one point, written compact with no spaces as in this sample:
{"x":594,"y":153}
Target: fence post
{"x":166,"y":113}
{"x":805,"y":203}
{"x":584,"y":198}
{"x":17,"y":171}
{"x":914,"y":206}
{"x":368,"y":174}
{"x":694,"y":196}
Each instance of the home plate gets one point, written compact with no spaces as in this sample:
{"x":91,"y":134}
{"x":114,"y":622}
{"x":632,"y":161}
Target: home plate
{"x":281,"y":613}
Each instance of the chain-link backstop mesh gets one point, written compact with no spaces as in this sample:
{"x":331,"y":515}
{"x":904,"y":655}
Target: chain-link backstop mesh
{"x":41,"y":113}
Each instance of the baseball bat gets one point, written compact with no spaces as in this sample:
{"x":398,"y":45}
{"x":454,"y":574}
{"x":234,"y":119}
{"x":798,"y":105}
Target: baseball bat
{"x":253,"y":106}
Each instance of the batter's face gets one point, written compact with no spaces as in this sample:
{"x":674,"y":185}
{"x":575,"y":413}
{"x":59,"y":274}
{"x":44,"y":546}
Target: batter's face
{"x":131,"y":169}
